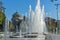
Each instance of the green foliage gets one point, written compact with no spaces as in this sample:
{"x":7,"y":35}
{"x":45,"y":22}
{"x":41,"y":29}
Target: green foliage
{"x":51,"y":27}
{"x":11,"y":26}
{"x":2,"y":16}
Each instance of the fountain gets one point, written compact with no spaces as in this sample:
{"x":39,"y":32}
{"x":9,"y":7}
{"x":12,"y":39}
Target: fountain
{"x":36,"y":24}
{"x":6,"y":29}
{"x":37,"y":21}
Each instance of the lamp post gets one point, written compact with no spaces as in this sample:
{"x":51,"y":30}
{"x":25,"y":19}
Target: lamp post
{"x":57,"y":5}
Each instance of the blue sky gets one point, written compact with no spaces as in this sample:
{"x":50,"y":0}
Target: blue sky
{"x":22,"y":6}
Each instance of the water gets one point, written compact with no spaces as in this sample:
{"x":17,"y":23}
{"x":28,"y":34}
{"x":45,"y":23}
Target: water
{"x":6,"y":30}
{"x":36,"y":19}
{"x":34,"y":24}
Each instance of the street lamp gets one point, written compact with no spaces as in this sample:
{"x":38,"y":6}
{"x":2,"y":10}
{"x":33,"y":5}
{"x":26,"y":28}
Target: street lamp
{"x":57,"y":5}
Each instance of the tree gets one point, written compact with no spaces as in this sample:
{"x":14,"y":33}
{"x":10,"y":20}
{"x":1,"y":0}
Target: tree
{"x":51,"y":24}
{"x":11,"y":27}
{"x":16,"y":20}
{"x":2,"y":17}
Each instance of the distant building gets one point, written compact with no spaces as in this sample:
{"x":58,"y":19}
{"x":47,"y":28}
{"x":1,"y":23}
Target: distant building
{"x":58,"y":25}
{"x":51,"y":23}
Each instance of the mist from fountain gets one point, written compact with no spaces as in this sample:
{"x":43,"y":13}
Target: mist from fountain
{"x":37,"y":19}
{"x":36,"y":22}
{"x":43,"y":20}
{"x":6,"y":28}
{"x":31,"y":19}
